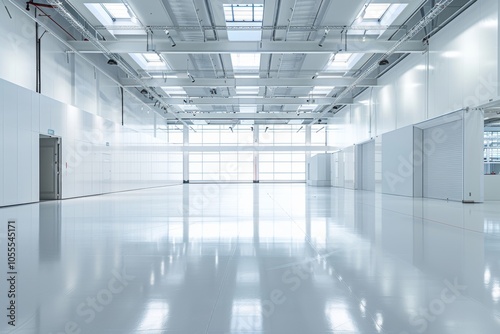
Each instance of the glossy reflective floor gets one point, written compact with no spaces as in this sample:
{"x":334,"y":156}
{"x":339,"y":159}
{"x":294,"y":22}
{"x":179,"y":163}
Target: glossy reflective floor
{"x":277,"y":258}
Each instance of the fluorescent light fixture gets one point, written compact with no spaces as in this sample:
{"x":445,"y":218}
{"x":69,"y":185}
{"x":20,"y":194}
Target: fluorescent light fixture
{"x":295,"y":121}
{"x":247,"y":122}
{"x":118,"y":11}
{"x":199,"y":122}
{"x":245,"y":61}
{"x":243,"y":12}
{"x":375,"y":11}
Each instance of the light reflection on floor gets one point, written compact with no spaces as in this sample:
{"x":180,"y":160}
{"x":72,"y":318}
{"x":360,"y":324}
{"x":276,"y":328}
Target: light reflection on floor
{"x":268,"y":258}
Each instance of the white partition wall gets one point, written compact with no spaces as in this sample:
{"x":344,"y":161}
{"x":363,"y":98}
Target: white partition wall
{"x":98,"y":156}
{"x":367,"y":165}
{"x":397,"y":162}
{"x":319,"y":170}
{"x":349,"y":167}
{"x":473,"y":155}
{"x":337,"y":169}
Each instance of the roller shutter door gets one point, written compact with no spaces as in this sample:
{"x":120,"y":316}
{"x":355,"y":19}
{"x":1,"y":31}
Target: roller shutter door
{"x":443,"y":161}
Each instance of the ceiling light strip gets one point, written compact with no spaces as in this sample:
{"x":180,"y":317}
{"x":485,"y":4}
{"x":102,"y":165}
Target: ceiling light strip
{"x":59,"y":7}
{"x":433,"y":13}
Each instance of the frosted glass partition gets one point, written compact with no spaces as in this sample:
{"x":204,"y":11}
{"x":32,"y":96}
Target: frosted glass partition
{"x":264,"y":153}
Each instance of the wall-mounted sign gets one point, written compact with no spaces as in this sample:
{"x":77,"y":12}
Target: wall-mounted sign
{"x":51,"y":132}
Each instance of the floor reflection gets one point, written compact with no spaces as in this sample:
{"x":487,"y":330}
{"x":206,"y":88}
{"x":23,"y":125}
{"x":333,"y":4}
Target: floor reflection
{"x":268,"y":258}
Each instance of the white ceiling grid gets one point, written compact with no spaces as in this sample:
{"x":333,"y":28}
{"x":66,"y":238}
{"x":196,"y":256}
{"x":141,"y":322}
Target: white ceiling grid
{"x":289,"y":50}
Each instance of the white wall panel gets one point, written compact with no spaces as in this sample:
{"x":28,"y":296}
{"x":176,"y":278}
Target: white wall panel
{"x":84,"y":137}
{"x":17,"y":38}
{"x":10,"y":138}
{"x":461,"y":69}
{"x":385,"y":108}
{"x":464,"y":60}
{"x":349,"y":167}
{"x":443,"y":154}
{"x":337,"y":169}
{"x":35,"y":167}
{"x":367,"y":166}
{"x":56,"y":67}
{"x":473,"y":155}
{"x":2,"y":140}
{"x":378,"y":164}
{"x":397,"y":162}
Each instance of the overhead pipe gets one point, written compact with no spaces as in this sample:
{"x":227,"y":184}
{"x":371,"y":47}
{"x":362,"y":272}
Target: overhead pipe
{"x":433,"y":13}
{"x":63,"y":11}
{"x":37,"y":4}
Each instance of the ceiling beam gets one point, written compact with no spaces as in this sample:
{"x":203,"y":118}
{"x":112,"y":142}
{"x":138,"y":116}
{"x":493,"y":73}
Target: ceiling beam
{"x":217,"y":47}
{"x":252,"y":82}
{"x":236,"y":27}
{"x":245,"y":116}
{"x":254,"y":101}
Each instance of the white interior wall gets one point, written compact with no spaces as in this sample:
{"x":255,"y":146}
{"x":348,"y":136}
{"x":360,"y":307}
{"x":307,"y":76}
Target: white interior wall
{"x":459,"y":70}
{"x":337,"y":169}
{"x":367,"y":165}
{"x":464,"y":60}
{"x":349,"y":167}
{"x":319,"y":167}
{"x":83,"y":106}
{"x":397,"y":162}
{"x":136,"y":160}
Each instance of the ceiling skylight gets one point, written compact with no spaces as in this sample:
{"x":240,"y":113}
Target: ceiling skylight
{"x":375,"y":11}
{"x":115,"y":14}
{"x":245,"y":61}
{"x":321,"y":90}
{"x":248,"y":108}
{"x":174,"y":91}
{"x":118,"y":11}
{"x":152,"y":57}
{"x":247,"y":90}
{"x":243,"y":12}
{"x":150,"y":61}
{"x":340,"y":57}
{"x":242,"y":15}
